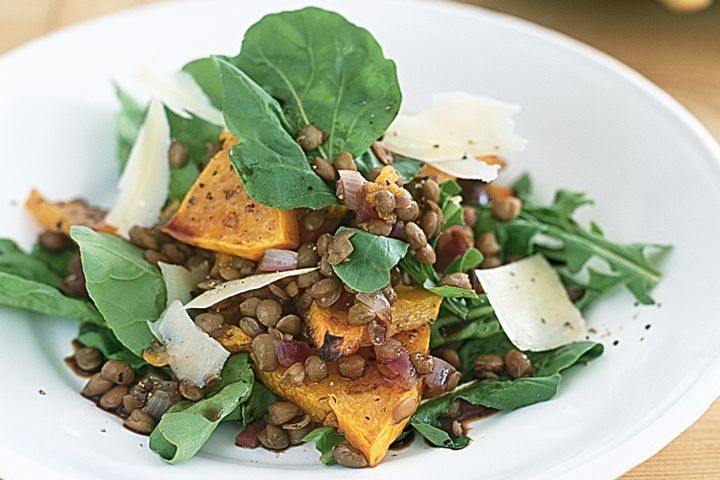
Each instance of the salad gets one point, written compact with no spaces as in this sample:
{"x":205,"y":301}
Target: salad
{"x":291,"y":255}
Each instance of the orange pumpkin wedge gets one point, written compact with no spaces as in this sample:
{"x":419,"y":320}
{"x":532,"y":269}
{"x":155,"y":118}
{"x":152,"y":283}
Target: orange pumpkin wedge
{"x":414,"y":308}
{"x":363,"y":407}
{"x":60,"y":216}
{"x":217,"y":214}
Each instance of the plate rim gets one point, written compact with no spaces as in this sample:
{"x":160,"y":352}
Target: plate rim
{"x":640,"y":443}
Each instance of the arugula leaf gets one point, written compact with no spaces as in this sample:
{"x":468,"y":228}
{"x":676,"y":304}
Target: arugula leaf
{"x":195,"y":134}
{"x":428,"y":278}
{"x":325,"y":71}
{"x":185,"y":428}
{"x":406,"y":167}
{"x":102,"y":339}
{"x":19,"y":292}
{"x":367,"y":269}
{"x":522,"y":186}
{"x":58,"y":262}
{"x":255,"y":406}
{"x":14,"y":260}
{"x":448,"y":329}
{"x":448,"y":291}
{"x":326,"y":439}
{"x":126,"y":289}
{"x":267,"y":152}
{"x":467,"y":261}
{"x":129,"y":121}
{"x":502,"y":394}
{"x":452,"y":209}
{"x":207,"y":74}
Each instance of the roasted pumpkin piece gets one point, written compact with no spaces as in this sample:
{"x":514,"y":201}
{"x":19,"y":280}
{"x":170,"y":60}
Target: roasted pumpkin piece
{"x":60,"y":216}
{"x":217,"y":214}
{"x":233,"y":339}
{"x":363,"y":407}
{"x":334,"y":337}
{"x":430,"y":171}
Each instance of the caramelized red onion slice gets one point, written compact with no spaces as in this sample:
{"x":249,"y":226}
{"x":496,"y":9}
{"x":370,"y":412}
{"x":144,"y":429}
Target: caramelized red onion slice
{"x":377,"y":303}
{"x":248,"y":437}
{"x":452,"y":243}
{"x":290,"y":352}
{"x":278,"y":260}
{"x":351,"y":188}
{"x":398,"y":231}
{"x":436,"y":381}
{"x":393,"y":362}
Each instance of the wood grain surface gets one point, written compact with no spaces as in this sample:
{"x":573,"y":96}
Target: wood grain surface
{"x":680,"y":53}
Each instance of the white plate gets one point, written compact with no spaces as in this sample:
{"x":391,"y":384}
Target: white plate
{"x":594,"y":125}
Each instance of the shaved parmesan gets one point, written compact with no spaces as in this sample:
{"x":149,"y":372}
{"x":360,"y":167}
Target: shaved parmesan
{"x":194,"y":356}
{"x":180,"y":93}
{"x":235,"y":287}
{"x":179,"y":281}
{"x":457,"y":128}
{"x":143,"y":187}
{"x":532,"y":305}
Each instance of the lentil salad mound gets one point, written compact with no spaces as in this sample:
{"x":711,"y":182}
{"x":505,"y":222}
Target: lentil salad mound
{"x":319,"y":267}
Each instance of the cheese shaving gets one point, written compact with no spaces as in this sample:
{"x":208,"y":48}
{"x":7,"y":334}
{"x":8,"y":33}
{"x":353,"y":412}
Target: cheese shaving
{"x":179,"y":281}
{"x":532,"y":305}
{"x":180,"y":93}
{"x":235,"y":287}
{"x":143,"y":187}
{"x":194,"y":356}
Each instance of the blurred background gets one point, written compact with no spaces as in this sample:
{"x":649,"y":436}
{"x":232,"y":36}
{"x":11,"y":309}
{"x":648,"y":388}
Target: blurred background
{"x":675,"y":43}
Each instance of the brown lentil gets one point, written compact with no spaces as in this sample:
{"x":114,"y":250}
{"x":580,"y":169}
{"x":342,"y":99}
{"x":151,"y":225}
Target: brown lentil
{"x":279,"y":413}
{"x":297,"y":424}
{"x":351,"y":366}
{"x":377,"y":332}
{"x":307,"y":255}
{"x":490,"y":262}
{"x":344,"y":161}
{"x":431,"y":190}
{"x":154,"y":257}
{"x":296,"y":436}
{"x":415,"y":236}
{"x":173,"y":252}
{"x":292,"y":289}
{"x":303,"y":302}
{"x":488,"y":365}
{"x":191,"y":392}
{"x":229,"y":273}
{"x":360,"y":314}
{"x":313,"y":220}
{"x":113,"y":398}
{"x":140,"y":422}
{"x":316,"y":368}
{"x":384,"y":202}
{"x":409,"y":212}
{"x":377,"y":226}
{"x":177,"y":154}
{"x":268,"y":312}
{"x":487,"y":244}
{"x":274,"y":438}
{"x":118,"y":372}
{"x":324,"y":169}
{"x":251,"y":327}
{"x":290,"y":324}
{"x":517,"y":364}
{"x":429,"y":223}
{"x":323,"y":243}
{"x":209,"y":322}
{"x":132,"y":402}
{"x":453,"y":381}
{"x":404,"y":409}
{"x":278,"y":292}
{"x":374,"y":173}
{"x":426,"y":255}
{"x":97,"y":385}
{"x":507,"y":208}
{"x":310,"y":137}
{"x":423,"y":364}
{"x":263,"y":347}
{"x":53,"y":241}
{"x":325,"y":268}
{"x":294,"y":375}
{"x":308,"y":279}
{"x":575,"y":292}
{"x":459,"y":279}
{"x":451,"y":356}
{"x":348,"y":456}
{"x":469,"y":216}
{"x":142,"y":238}
{"x":340,"y":248}
{"x":249,"y":306}
{"x":326,"y":292}
{"x":88,"y":359}
{"x":390,"y":293}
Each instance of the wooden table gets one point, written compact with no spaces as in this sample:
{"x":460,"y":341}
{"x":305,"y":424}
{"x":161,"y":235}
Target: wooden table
{"x":681,"y":53}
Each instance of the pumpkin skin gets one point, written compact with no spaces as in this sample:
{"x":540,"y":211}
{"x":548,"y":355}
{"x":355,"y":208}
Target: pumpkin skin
{"x":414,"y":308}
{"x":60,"y":216}
{"x":362,"y":408}
{"x":217,"y":214}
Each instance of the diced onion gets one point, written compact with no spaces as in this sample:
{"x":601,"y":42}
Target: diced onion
{"x":351,"y":188}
